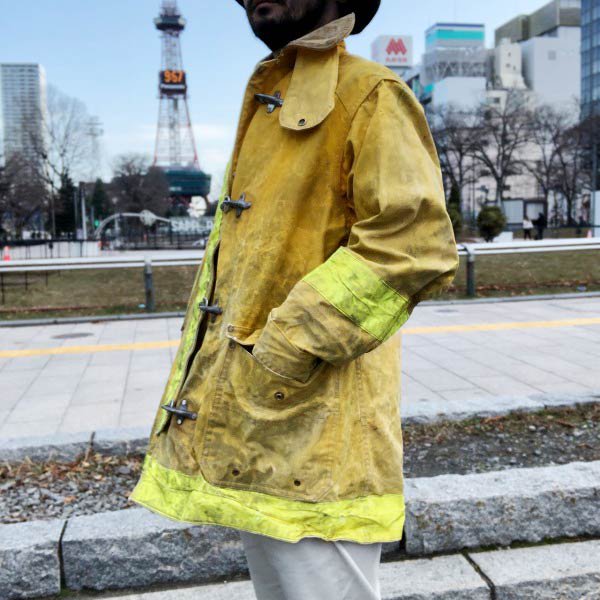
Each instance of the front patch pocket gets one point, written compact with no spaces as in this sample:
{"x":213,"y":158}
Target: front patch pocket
{"x":268,"y":433}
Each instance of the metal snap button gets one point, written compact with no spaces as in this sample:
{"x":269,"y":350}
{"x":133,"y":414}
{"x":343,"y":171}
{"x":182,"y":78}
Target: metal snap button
{"x":230,"y":328}
{"x":302,"y":122}
{"x":279,"y":396}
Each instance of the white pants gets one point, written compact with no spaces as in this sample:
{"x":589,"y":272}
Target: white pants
{"x":312,"y":569}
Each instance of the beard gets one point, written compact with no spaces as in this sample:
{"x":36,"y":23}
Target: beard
{"x":297,"y":19}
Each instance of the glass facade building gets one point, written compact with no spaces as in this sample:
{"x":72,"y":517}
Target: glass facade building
{"x":590,"y":56}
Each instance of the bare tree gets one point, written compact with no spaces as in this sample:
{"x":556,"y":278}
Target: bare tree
{"x":22,"y":194}
{"x":137,"y":186}
{"x":500,"y":133}
{"x":62,"y":145}
{"x":572,"y":173}
{"x":452,"y":130}
{"x":550,"y":129}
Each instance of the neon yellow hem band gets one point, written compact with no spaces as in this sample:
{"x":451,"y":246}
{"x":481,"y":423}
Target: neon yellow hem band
{"x":348,"y":284}
{"x":366,"y":520}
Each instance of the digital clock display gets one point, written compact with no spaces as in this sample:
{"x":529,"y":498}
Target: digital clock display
{"x":173,"y":82}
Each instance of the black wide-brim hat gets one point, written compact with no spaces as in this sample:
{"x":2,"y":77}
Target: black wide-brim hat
{"x":364,"y":10}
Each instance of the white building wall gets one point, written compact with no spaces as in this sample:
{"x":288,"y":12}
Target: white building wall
{"x":552,"y":66}
{"x":508,"y":66}
{"x":464,"y":92}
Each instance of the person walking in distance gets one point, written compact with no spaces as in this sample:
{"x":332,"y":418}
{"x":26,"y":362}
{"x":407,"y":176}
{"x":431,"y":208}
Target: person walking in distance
{"x":280,"y":417}
{"x":540,"y":224}
{"x":527,"y":228}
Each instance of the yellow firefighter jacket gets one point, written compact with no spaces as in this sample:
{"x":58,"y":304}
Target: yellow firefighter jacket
{"x":281,"y":413}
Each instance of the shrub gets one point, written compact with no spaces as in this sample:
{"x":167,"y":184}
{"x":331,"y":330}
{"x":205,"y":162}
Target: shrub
{"x":491,"y":222}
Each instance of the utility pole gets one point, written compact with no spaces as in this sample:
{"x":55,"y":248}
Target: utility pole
{"x":75,"y":213}
{"x":83,"y":211}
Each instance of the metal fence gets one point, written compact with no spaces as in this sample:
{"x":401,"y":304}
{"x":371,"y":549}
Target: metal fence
{"x":148,"y":260}
{"x":472,"y":251}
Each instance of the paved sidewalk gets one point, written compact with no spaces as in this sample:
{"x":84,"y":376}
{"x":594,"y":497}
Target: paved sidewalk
{"x":113,"y":373}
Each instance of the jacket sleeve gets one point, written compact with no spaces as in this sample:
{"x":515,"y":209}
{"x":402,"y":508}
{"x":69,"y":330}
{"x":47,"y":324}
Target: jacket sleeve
{"x":400,"y":250}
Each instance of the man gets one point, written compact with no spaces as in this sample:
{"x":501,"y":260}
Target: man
{"x":280,"y":417}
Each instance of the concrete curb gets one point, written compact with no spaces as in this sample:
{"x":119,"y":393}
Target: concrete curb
{"x":91,"y":319}
{"x":62,"y":446}
{"x":568,"y":571}
{"x":430,"y":412}
{"x":30,"y":559}
{"x":135,"y":547}
{"x":67,"y":446}
{"x":452,"y":512}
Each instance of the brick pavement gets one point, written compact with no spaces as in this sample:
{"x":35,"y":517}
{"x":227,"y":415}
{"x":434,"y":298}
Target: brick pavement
{"x":84,"y":391}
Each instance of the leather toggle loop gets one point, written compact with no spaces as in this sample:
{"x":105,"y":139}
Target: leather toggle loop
{"x":272,"y":102}
{"x":238,"y":205}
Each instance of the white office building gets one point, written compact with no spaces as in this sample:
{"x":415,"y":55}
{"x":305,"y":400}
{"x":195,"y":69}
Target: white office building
{"x":454,"y":64}
{"x":22,"y":108}
{"x":549,"y":42}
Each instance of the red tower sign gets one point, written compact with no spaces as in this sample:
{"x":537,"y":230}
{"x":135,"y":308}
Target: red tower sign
{"x":396,"y":46}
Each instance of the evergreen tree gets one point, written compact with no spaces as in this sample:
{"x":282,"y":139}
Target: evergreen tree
{"x":455,"y":199}
{"x":100,"y":203}
{"x":65,"y":206}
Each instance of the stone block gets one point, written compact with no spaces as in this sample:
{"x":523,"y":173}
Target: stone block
{"x":451,"y":512}
{"x":440,"y":578}
{"x":29,"y":559}
{"x":567,"y":571}
{"x":134,"y":548}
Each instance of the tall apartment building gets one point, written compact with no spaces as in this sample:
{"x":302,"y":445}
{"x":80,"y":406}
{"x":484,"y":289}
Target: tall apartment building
{"x":590,"y":56}
{"x":590,"y":87}
{"x":22,"y":108}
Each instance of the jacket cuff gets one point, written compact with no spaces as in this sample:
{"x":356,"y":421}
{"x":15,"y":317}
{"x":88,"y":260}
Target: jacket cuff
{"x":279,"y":355}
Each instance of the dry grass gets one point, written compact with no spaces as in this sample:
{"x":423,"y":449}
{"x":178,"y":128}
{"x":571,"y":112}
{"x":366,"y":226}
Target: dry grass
{"x":75,"y":293}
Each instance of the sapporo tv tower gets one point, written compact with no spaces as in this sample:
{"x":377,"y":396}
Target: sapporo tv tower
{"x":175,"y":150}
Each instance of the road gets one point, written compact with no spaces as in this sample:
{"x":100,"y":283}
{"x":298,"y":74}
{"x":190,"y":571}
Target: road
{"x":89,"y":376}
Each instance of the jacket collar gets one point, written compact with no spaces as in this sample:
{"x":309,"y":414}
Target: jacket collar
{"x":328,"y":36}
{"x":311,"y":94}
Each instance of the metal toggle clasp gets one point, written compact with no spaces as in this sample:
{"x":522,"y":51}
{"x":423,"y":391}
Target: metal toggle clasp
{"x":212,"y":309}
{"x":239,"y":205}
{"x":181,"y":413}
{"x":272,"y":102}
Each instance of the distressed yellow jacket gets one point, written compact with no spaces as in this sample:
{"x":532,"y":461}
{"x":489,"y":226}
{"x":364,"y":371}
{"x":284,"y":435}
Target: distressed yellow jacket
{"x":281,"y":413}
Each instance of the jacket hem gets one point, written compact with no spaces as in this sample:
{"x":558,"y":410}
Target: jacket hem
{"x":183,"y":498}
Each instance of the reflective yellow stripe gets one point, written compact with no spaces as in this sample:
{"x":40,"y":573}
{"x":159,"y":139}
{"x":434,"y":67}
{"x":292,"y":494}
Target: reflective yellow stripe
{"x":193,"y":500}
{"x":193,"y":311}
{"x":351,"y":287}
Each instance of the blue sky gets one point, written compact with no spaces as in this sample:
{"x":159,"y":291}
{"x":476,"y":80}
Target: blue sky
{"x":107,"y":54}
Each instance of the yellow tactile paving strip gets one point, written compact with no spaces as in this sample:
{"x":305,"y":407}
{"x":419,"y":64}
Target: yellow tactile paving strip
{"x":431,"y":330}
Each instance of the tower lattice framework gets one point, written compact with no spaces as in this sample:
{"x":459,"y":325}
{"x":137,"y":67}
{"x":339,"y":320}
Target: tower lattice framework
{"x":175,"y":144}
